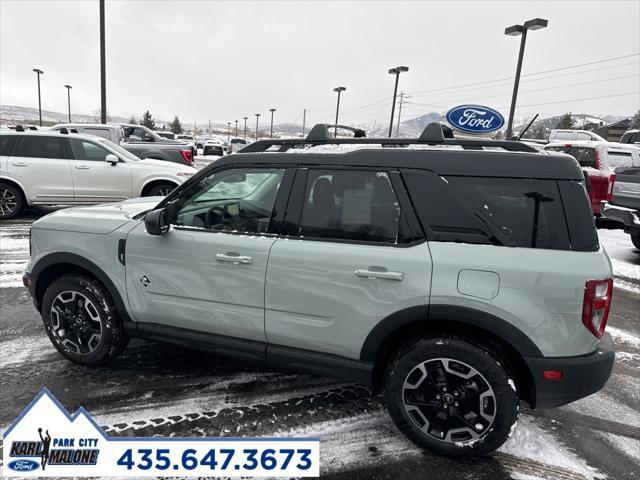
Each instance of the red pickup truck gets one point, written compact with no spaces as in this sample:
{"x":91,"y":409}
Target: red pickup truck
{"x":599,"y":160}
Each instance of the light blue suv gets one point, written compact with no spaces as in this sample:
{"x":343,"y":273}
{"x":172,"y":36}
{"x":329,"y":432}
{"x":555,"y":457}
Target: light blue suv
{"x":459,"y":276}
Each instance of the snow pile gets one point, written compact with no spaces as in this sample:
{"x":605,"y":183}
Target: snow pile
{"x":530,"y":441}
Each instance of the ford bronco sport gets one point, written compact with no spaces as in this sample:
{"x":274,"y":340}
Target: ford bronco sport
{"x":458,"y":276}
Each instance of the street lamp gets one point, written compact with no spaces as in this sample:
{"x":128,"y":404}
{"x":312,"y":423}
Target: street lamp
{"x":514,"y":31}
{"x":228,"y":132}
{"x":339,"y":90}
{"x":68,"y":87}
{"x":103,"y":68}
{"x":271,"y":132}
{"x":395,"y":71}
{"x":257,"y":120}
{"x":245,"y":127}
{"x":236,"y":128}
{"x":38,"y":73}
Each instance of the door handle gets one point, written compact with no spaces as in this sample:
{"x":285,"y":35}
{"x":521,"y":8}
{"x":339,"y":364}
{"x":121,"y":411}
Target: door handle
{"x":379,"y":272}
{"x":233,"y":257}
{"x":20,"y":164}
{"x":82,"y":167}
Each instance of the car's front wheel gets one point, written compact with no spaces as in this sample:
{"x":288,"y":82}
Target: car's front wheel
{"x":160,"y":190}
{"x":11,"y":201}
{"x":451,"y":397}
{"x":81,"y":321}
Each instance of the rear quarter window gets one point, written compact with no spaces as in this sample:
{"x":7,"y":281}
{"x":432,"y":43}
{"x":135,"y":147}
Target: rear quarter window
{"x":586,"y":156}
{"x":527,"y":213}
{"x":39,"y":147}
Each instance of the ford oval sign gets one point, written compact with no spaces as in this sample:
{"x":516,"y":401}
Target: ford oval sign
{"x":475,"y":119}
{"x":23,"y":465}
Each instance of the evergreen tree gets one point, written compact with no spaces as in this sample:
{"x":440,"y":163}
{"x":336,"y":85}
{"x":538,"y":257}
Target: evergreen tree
{"x":148,"y":121}
{"x":635,"y":121}
{"x":566,"y":122}
{"x":133,"y":120}
{"x":175,"y":126}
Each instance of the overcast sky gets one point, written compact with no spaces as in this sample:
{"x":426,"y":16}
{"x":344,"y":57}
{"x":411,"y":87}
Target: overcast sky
{"x":221,"y":61}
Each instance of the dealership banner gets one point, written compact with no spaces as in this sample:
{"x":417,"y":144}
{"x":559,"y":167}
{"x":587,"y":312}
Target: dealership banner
{"x":45,"y":440}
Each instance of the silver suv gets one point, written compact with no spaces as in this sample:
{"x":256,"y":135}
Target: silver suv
{"x":458,"y":276}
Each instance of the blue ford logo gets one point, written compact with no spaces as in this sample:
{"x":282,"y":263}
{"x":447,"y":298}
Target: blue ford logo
{"x":23,"y":465}
{"x":475,"y":119}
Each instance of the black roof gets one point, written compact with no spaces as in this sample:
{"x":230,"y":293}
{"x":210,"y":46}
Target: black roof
{"x":505,"y":159}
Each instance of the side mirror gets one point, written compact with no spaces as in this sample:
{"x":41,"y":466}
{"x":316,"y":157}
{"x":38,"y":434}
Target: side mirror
{"x":156,"y":222}
{"x":112,"y":159}
{"x":149,"y":138}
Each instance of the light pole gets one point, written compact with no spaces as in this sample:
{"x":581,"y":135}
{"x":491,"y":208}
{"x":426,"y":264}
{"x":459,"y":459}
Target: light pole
{"x":245,"y":127}
{"x":395,"y":71}
{"x":339,"y":90}
{"x":514,"y":31}
{"x":68,"y":87}
{"x":38,"y":73}
{"x":236,"y":128}
{"x":271,"y":130}
{"x":257,"y":120}
{"x":103,"y":69}
{"x":228,"y":132}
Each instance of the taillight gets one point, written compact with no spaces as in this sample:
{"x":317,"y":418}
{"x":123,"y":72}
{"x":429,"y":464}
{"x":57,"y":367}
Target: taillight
{"x":609,"y":195}
{"x":597,"y":158}
{"x":596,"y":304}
{"x":187,"y":155}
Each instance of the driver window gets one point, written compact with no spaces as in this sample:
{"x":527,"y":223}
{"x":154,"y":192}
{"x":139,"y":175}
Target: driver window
{"x":237,"y":200}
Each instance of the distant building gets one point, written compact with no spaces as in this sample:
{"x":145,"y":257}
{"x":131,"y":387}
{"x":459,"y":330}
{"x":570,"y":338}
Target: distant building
{"x":613,"y":132}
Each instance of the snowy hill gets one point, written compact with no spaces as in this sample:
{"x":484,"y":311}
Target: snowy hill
{"x":10,"y":115}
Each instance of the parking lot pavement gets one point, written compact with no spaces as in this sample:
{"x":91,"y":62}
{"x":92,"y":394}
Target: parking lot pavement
{"x":155,"y":389}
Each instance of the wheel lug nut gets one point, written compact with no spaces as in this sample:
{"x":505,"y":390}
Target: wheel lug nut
{"x":455,"y":393}
{"x":456,"y":404}
{"x":444,"y":389}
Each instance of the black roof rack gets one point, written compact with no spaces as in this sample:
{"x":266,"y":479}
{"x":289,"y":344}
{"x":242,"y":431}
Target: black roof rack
{"x":433,"y":134}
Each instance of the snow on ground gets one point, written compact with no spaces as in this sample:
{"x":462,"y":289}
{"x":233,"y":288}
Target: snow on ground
{"x":530,"y":440}
{"x":623,"y":336}
{"x":628,"y":446}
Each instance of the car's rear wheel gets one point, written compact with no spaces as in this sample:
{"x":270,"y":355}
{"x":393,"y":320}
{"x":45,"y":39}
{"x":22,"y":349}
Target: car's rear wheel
{"x":635,"y":239}
{"x":160,"y":190}
{"x":11,"y":201}
{"x":451,"y":397}
{"x":81,"y":321}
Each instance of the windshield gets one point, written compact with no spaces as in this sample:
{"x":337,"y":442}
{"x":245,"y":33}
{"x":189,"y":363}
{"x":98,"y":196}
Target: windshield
{"x":119,"y":150}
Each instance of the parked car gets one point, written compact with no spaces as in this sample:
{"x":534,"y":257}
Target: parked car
{"x":213,"y":146}
{"x":138,"y":140}
{"x":625,"y":202}
{"x":631,"y":136}
{"x":49,"y":168}
{"x":166,"y":134}
{"x":458,"y":281}
{"x":599,"y":159}
{"x":236,"y":144}
{"x":560,"y":135}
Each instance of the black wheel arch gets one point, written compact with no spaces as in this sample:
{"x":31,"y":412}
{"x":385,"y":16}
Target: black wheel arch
{"x":505,"y":341}
{"x":54,"y":265}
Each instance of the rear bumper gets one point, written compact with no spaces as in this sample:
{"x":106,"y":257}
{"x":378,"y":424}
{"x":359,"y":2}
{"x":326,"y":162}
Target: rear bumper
{"x":581,"y":376}
{"x":627,"y":216}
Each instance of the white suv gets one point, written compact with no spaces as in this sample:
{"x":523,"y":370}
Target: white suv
{"x":51,"y":168}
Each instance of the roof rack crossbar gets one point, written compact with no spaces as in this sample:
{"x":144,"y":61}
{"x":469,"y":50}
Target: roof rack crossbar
{"x":433,"y":134}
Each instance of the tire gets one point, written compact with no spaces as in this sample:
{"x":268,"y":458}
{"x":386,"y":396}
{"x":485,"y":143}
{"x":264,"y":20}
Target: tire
{"x":635,"y":239}
{"x":160,"y":190}
{"x":463,"y":380}
{"x":11,"y":201}
{"x":88,"y":331}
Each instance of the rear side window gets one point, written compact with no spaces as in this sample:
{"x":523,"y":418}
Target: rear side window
{"x":40,"y":147}
{"x":350,"y":205}
{"x":6,"y":144}
{"x":565,"y":136}
{"x":527,"y":213}
{"x":586,"y":156}
{"x":100,"y":132}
